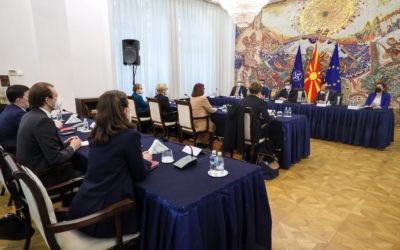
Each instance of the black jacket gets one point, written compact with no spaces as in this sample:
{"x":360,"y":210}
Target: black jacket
{"x":242,"y":91}
{"x":291,"y":96}
{"x":332,"y":98}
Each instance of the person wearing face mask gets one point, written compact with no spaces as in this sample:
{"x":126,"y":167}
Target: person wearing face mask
{"x":238,"y":90}
{"x":38,"y":144}
{"x":288,"y":93}
{"x":11,"y":116}
{"x":142,"y":106}
{"x":168,"y":114}
{"x":379,"y":98}
{"x":326,"y":95}
{"x":115,"y":163}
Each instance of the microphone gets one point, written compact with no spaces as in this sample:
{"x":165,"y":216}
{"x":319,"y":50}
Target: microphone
{"x":186,"y":161}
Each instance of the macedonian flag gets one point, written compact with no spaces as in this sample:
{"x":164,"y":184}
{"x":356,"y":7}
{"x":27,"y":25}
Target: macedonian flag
{"x":312,"y":80}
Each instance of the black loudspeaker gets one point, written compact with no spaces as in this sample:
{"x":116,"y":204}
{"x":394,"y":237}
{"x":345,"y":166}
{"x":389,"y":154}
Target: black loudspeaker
{"x":130,"y":52}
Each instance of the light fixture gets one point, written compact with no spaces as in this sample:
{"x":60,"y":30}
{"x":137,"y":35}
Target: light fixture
{"x":243,"y":11}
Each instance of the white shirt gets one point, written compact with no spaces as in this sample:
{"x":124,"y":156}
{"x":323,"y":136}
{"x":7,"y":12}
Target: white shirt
{"x":377,"y":100}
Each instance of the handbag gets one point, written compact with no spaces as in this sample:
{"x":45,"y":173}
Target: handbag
{"x":15,"y":227}
{"x":268,"y":163}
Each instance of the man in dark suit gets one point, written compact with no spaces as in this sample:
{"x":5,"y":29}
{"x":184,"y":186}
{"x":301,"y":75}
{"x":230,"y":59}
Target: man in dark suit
{"x":326,"y":95}
{"x":287,"y":94}
{"x":238,"y":90}
{"x":38,"y":144}
{"x":259,"y":109}
{"x":11,"y":116}
{"x":264,"y":89}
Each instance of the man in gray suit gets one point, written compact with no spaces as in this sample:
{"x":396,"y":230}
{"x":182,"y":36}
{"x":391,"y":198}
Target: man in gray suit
{"x":38,"y":144}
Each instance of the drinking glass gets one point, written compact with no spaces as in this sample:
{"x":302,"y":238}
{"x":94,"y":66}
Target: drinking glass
{"x":167,"y":156}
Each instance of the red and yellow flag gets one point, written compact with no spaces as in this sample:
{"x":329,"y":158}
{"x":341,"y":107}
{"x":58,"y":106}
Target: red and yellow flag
{"x":312,"y":81}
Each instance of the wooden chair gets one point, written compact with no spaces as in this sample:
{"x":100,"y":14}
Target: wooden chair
{"x":186,"y":125}
{"x":64,"y":235}
{"x":135,"y":118}
{"x":300,"y":94}
{"x":157,"y":119}
{"x":12,"y":187}
{"x":249,"y":135}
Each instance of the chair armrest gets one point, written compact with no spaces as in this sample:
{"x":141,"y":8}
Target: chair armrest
{"x":85,"y":221}
{"x":201,"y":117}
{"x":66,"y":185}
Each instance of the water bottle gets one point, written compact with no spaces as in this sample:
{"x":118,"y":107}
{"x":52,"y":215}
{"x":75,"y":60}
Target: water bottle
{"x":220,"y":162}
{"x":351,"y":102}
{"x":285,"y":112}
{"x":85,"y":124}
{"x":289,"y":112}
{"x":213,"y":161}
{"x":59,"y":115}
{"x":241,"y":96}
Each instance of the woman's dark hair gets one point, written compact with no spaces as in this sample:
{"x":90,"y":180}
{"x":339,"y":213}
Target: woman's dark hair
{"x":383,"y":85}
{"x":198,"y":90}
{"x":16,"y":91}
{"x":38,"y":94}
{"x":110,"y":118}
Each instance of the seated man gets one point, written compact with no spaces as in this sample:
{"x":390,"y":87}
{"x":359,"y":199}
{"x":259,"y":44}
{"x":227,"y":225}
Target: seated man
{"x":264,"y":89}
{"x":238,"y":90}
{"x":38,"y":145}
{"x":11,"y":116}
{"x":288,"y":93}
{"x":142,"y":106}
{"x":326,"y":95}
{"x":259,"y":108}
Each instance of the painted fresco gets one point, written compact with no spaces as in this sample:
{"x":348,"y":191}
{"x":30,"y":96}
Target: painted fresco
{"x":367,"y":31}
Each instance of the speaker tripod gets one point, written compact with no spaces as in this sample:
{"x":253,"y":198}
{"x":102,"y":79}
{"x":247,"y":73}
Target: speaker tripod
{"x":134,"y":68}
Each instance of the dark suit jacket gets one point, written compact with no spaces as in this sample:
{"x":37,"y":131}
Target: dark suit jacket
{"x":167,"y":113}
{"x":112,"y":171}
{"x":260,"y":114}
{"x":39,"y":146}
{"x":332,"y":98}
{"x":9,"y":123}
{"x":385,"y":100}
{"x":265,"y":91}
{"x":291,"y":96}
{"x":242,"y":91}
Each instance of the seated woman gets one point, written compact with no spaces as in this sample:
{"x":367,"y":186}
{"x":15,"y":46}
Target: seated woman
{"x":379,"y":98}
{"x":142,"y":106}
{"x":115,"y":163}
{"x":201,"y":107}
{"x":167,"y":113}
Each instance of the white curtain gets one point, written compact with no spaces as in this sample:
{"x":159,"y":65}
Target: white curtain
{"x":182,"y":42}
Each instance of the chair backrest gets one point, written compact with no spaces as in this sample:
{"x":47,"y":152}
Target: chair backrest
{"x":339,"y":99}
{"x":133,"y":109}
{"x":155,"y":110}
{"x":247,"y":122}
{"x":185,"y":115}
{"x":299,"y":94}
{"x":36,"y":197}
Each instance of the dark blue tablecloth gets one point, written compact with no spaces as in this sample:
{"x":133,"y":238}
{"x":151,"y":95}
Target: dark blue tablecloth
{"x":295,"y":137}
{"x":187,"y":209}
{"x":369,"y":128}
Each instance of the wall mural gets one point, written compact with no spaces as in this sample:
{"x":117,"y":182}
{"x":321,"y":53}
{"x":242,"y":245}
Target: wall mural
{"x":368,"y":33}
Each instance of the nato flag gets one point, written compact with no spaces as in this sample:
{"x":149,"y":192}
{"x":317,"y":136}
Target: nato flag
{"x":297,"y":76}
{"x":333,"y":72}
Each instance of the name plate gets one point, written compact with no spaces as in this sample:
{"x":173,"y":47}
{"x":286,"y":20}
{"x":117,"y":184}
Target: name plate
{"x":353,"y":107}
{"x":321,"y":105}
{"x":278,"y":101}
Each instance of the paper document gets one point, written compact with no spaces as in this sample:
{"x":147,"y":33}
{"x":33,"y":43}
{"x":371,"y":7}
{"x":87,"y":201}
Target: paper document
{"x":157,"y":147}
{"x":73,"y":119}
{"x":84,"y":143}
{"x":187,"y":150}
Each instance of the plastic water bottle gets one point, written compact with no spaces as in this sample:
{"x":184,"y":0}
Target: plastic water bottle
{"x":59,"y":115}
{"x":285,"y":112}
{"x":85,"y":124}
{"x":241,"y":95}
{"x":220,"y":162}
{"x":289,"y":113}
{"x":213,"y":161}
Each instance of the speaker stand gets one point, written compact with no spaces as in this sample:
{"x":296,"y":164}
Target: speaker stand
{"x":134,"y":68}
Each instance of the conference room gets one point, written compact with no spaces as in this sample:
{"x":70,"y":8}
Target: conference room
{"x":336,"y":163}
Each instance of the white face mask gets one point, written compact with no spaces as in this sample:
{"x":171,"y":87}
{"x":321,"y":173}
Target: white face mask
{"x":287,"y":88}
{"x":322,"y":92}
{"x":58,"y":104}
{"x":239,"y":84}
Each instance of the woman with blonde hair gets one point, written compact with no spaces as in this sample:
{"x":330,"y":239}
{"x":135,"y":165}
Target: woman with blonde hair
{"x":167,"y":113}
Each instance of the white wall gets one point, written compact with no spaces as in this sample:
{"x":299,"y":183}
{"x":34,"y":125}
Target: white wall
{"x":64,"y":42}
